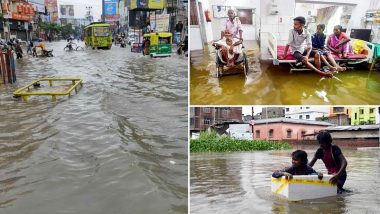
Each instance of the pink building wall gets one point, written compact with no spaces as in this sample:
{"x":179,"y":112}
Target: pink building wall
{"x":280,"y":131}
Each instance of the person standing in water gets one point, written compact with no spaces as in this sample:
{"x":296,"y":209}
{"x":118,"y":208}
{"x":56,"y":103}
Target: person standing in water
{"x":333,"y":158}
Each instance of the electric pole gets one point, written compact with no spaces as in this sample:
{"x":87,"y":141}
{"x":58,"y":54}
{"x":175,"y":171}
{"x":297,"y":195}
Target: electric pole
{"x":103,"y":18}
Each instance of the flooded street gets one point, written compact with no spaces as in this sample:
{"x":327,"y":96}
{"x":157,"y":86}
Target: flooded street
{"x":269,"y":84}
{"x":118,"y":146}
{"x":240,"y":183}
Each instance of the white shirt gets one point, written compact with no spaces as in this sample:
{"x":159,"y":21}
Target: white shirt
{"x":298,"y":42}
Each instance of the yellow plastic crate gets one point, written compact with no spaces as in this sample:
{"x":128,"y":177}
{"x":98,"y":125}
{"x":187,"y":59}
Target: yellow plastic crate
{"x":27,"y":90}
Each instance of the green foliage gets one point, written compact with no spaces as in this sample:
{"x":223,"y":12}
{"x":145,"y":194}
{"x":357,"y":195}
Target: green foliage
{"x":50,"y":27}
{"x":368,"y":122}
{"x":212,"y":142}
{"x":323,"y":118}
{"x":67,"y":30}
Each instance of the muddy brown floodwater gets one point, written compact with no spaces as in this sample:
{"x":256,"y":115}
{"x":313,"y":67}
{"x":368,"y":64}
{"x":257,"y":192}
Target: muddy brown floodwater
{"x":118,"y":146}
{"x":274,"y":85}
{"x":240,"y":183}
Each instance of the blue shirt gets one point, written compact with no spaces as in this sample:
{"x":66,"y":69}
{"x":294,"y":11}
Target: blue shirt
{"x":318,"y":41}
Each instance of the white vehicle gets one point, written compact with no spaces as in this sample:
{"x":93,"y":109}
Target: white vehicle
{"x":132,"y":37}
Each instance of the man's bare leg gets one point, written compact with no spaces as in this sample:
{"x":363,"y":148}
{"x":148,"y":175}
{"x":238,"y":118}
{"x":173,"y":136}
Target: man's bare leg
{"x":311,"y":66}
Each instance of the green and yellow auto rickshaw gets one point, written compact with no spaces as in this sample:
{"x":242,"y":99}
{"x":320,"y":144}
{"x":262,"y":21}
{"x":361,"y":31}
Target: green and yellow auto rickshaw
{"x":160,"y":44}
{"x":98,"y":35}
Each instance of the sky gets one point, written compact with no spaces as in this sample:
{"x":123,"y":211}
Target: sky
{"x":247,"y":110}
{"x":80,"y":7}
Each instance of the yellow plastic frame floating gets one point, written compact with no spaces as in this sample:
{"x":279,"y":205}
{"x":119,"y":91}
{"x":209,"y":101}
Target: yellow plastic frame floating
{"x":25,"y":92}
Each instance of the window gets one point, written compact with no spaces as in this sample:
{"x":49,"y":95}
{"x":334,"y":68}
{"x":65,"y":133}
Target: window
{"x":257,"y":133}
{"x":338,"y":109}
{"x":371,"y":110}
{"x":287,"y":109}
{"x":356,"y":116}
{"x":191,"y":121}
{"x":193,"y":13}
{"x":361,"y":111}
{"x":307,"y":107}
{"x":206,"y":109}
{"x":289,"y":133}
{"x":206,"y":121}
{"x":101,"y":31}
{"x":300,"y":107}
{"x":225,"y":112}
{"x":270,"y":133}
{"x":245,"y":16}
{"x":307,"y":116}
{"x":300,"y":117}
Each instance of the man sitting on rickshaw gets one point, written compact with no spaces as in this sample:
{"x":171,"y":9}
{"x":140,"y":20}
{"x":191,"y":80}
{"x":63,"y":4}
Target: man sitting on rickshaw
{"x":231,"y":40}
{"x":230,"y":49}
{"x":232,"y":26}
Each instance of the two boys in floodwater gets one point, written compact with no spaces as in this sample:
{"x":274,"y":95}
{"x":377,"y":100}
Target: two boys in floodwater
{"x":330,"y":154}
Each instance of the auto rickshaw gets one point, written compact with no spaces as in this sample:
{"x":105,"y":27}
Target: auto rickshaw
{"x":160,"y":44}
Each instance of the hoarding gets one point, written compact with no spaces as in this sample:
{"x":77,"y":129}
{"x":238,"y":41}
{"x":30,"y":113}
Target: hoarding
{"x":66,"y":11}
{"x":52,"y":8}
{"x":160,"y":23}
{"x":39,"y":5}
{"x":111,"y":10}
{"x":148,"y":4}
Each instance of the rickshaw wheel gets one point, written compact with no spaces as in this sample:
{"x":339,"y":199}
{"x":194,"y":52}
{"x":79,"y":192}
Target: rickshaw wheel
{"x":219,"y":71}
{"x":245,"y":66}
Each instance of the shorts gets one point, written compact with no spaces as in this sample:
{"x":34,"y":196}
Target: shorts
{"x":323,"y":52}
{"x":299,"y":56}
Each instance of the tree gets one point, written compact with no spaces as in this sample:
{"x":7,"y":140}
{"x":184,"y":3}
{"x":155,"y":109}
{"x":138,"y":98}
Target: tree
{"x":67,"y":30}
{"x":323,"y":118}
{"x":50,"y":28}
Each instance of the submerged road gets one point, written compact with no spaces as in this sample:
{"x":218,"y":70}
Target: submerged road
{"x":118,"y":146}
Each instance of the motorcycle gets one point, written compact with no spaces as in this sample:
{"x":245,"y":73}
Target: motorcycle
{"x":14,"y":45}
{"x":18,"y":50}
{"x":44,"y":53}
{"x":69,"y":46}
{"x":123,"y":44}
{"x":183,"y":47}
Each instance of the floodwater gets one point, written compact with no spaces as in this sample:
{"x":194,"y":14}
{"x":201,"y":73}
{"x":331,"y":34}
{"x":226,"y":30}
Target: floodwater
{"x":240,"y":183}
{"x":275,"y":85}
{"x":118,"y":146}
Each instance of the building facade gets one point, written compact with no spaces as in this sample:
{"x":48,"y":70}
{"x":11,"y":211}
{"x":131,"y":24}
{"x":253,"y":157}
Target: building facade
{"x":203,"y":117}
{"x":306,"y":112}
{"x":280,"y":129}
{"x":17,"y":19}
{"x":363,"y":115}
{"x":272,"y":112}
{"x":339,"y":115}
